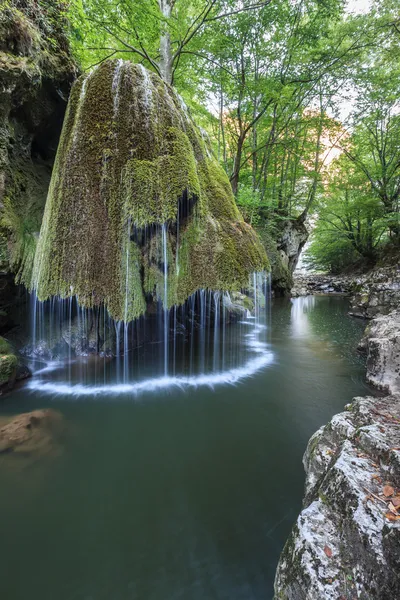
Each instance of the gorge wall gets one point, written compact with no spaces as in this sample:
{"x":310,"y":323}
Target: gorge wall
{"x":36,"y":74}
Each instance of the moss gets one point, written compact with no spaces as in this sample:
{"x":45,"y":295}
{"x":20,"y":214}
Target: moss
{"x":130,"y":163}
{"x":8,"y":362}
{"x":35,"y":70}
{"x":282,"y":278}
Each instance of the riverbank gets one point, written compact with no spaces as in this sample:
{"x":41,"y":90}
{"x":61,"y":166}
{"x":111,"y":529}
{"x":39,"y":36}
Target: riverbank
{"x":345,"y":543}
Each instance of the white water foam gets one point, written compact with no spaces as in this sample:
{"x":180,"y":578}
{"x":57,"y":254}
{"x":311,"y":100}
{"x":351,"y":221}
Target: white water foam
{"x":212,"y":380}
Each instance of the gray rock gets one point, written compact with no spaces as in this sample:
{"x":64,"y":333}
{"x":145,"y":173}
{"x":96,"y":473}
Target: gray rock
{"x":376,"y":292}
{"x":381,"y":343}
{"x":343,"y":545}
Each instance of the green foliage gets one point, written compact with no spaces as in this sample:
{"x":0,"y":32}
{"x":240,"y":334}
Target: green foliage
{"x":351,"y":222}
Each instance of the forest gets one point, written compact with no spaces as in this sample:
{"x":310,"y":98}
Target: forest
{"x":300,"y":101}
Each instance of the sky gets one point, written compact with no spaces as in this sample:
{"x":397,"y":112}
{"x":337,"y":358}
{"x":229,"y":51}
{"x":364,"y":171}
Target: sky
{"x":358,"y":6}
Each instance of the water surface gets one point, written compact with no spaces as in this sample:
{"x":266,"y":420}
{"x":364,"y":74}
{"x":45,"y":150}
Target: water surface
{"x":184,"y":491}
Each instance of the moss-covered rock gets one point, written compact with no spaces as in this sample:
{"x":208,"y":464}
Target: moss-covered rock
{"x":36,"y":73}
{"x":136,"y":195}
{"x":281,"y":275}
{"x":8,"y":363}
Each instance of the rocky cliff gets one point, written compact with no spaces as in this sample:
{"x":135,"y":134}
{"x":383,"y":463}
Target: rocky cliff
{"x":36,"y":73}
{"x":284,"y":248}
{"x":345,"y":543}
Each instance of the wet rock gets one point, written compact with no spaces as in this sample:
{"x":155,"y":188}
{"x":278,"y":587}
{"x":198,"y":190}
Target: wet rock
{"x":31,"y":433}
{"x":381,"y":343}
{"x":346,"y":541}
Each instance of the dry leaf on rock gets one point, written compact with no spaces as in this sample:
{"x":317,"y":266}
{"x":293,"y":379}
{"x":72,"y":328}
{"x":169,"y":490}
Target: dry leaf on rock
{"x":388,"y":491}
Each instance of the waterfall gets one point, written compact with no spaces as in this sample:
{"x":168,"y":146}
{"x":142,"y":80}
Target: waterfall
{"x":216,"y":329}
{"x":213,"y":349}
{"x":116,"y":85}
{"x":147,"y":90}
{"x":126,"y":315}
{"x":165,"y":301}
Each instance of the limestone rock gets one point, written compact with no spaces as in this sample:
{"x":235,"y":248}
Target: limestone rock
{"x":376,"y":292}
{"x":381,"y":343}
{"x":284,"y":249}
{"x":344,"y":545}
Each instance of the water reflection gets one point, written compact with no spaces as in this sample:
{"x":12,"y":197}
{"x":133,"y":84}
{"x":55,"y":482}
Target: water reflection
{"x":301,"y":308}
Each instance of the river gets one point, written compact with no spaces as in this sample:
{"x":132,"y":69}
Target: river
{"x":185,"y":490}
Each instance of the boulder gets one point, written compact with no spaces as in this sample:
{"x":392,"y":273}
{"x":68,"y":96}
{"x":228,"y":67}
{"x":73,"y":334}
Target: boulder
{"x":31,"y":433}
{"x":346,"y":541}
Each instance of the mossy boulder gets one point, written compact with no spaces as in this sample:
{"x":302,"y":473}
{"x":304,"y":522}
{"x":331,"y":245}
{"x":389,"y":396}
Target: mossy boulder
{"x":8,"y":363}
{"x":36,"y":73}
{"x":138,"y":207}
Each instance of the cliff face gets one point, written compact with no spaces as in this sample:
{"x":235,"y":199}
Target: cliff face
{"x":36,"y":73}
{"x":284,"y":249}
{"x":138,"y":207}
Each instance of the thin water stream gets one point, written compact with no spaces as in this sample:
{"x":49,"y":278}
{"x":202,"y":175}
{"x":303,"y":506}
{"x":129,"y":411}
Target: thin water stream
{"x":184,"y":481}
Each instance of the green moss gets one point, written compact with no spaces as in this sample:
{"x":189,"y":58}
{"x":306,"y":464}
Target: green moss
{"x":33,"y":49}
{"x":282,"y":278}
{"x":8,"y":362}
{"x":128,"y":159}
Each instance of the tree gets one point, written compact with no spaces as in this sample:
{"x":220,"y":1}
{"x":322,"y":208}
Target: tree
{"x":158,"y":33}
{"x":350,"y":223}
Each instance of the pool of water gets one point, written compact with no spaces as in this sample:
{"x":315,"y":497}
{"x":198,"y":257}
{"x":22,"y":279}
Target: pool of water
{"x":183,"y":490}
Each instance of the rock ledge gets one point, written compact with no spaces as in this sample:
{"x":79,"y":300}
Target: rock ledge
{"x":346,"y":541}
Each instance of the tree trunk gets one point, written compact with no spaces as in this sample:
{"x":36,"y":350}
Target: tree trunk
{"x":236,"y":167}
{"x":165,"y":63}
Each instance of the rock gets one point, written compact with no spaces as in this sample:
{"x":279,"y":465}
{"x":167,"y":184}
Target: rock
{"x":293,"y":237}
{"x":305,"y":285}
{"x":157,"y":203}
{"x":376,"y":292}
{"x":344,"y":544}
{"x":284,"y":249}
{"x":381,"y":343}
{"x":31,"y":433}
{"x":11,"y":369}
{"x":36,"y":73}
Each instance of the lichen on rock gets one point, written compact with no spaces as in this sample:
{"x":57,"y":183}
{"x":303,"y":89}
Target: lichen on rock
{"x":135,"y":186}
{"x":346,"y":541}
